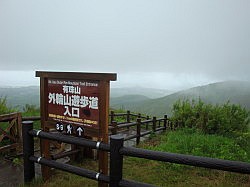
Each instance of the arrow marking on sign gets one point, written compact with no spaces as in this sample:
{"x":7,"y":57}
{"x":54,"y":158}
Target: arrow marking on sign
{"x":79,"y":130}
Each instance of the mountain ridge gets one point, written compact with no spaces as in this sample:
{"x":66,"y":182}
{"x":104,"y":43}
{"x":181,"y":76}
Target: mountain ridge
{"x":237,"y":92}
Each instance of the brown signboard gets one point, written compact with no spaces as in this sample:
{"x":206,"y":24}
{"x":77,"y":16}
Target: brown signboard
{"x":78,"y":104}
{"x":74,"y":102}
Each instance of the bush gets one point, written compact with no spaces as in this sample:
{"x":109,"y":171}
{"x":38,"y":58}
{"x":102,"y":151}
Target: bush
{"x":189,"y":141}
{"x":4,"y":109}
{"x":31,"y":110}
{"x":226,"y":119}
{"x":243,"y":140}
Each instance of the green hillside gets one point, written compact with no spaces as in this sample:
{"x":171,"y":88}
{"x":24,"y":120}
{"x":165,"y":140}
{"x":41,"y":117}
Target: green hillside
{"x":126,"y":101}
{"x":148,"y":92}
{"x":237,"y":92}
{"x":139,"y":100}
{"x":18,"y":97}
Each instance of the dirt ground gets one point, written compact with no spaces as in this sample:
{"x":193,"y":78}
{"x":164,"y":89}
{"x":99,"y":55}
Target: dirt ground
{"x":10,"y":174}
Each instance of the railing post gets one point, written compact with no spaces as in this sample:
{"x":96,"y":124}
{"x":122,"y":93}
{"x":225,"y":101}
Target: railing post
{"x":173,"y":125}
{"x":116,"y":160}
{"x":114,"y":129}
{"x":112,"y":116}
{"x":28,"y":150}
{"x":147,"y":123}
{"x":165,"y":121}
{"x":128,"y":116}
{"x":154,"y":124}
{"x":138,"y":131}
{"x":139,"y":115}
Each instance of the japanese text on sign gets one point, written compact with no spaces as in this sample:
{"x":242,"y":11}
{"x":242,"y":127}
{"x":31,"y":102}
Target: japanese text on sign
{"x":75,"y":102}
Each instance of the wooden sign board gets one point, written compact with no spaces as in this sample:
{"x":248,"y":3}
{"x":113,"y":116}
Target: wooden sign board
{"x":77,"y":104}
{"x":74,"y":104}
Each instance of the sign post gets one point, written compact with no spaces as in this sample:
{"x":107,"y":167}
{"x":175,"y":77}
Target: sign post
{"x":77,"y":104}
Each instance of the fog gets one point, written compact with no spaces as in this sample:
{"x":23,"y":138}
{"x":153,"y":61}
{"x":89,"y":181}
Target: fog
{"x":159,"y":44}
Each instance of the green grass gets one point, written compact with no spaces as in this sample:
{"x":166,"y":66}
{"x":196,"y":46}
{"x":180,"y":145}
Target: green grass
{"x":160,"y":174}
{"x":188,"y":141}
{"x":32,"y":110}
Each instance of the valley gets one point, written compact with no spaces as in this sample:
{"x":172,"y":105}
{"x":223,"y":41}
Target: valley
{"x":155,"y":102}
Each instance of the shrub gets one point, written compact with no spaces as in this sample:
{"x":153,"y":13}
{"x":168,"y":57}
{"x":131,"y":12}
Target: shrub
{"x":31,"y":110}
{"x":192,"y":142}
{"x":4,"y":109}
{"x":226,"y":119}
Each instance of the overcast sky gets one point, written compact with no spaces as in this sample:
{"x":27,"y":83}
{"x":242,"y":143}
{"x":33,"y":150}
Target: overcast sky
{"x":168,"y":44}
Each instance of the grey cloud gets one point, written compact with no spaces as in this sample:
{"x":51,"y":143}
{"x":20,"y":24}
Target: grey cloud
{"x":179,"y":37}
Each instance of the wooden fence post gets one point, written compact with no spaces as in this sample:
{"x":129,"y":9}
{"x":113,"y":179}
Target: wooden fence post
{"x":138,"y":131}
{"x":116,"y":160}
{"x":114,"y":129}
{"x":154,"y":124}
{"x":28,"y":150}
{"x":177,"y":124}
{"x":112,"y":116}
{"x":128,"y":116}
{"x":147,"y":123}
{"x":171,"y":125}
{"x":165,"y":121}
{"x":139,"y":115}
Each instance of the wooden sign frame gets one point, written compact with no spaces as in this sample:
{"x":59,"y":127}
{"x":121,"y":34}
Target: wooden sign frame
{"x":103,"y":80}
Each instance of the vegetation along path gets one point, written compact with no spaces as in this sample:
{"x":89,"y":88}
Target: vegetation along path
{"x":218,"y":131}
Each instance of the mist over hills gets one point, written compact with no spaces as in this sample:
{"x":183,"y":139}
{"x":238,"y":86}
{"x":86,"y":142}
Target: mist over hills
{"x":144,"y":100}
{"x":18,"y":97}
{"x":127,"y":101}
{"x":237,"y":92}
{"x":148,"y":92}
